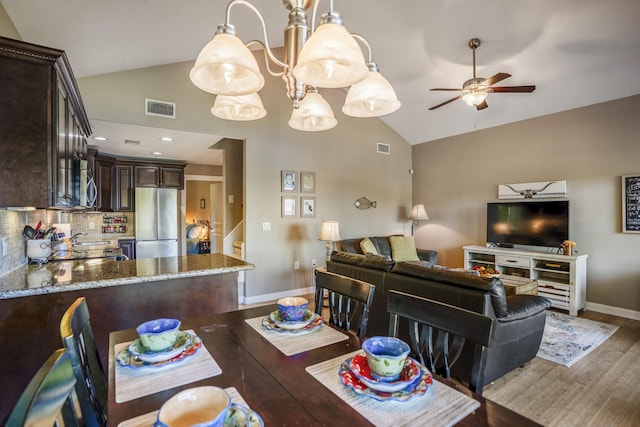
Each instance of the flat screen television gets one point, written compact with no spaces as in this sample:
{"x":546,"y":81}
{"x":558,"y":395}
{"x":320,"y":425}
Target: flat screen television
{"x":530,"y":223}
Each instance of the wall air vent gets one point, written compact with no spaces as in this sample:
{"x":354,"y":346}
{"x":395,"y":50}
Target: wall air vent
{"x":131,"y":142}
{"x":384,"y":148}
{"x":154,"y":107}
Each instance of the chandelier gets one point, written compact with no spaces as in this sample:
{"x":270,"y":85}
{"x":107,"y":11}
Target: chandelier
{"x":325,"y":57}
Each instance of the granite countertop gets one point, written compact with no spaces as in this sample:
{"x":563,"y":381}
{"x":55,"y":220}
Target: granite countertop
{"x":62,"y":276}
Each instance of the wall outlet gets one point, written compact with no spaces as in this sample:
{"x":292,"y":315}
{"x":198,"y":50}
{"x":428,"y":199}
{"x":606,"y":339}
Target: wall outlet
{"x":231,"y":198}
{"x":92,"y":226}
{"x":313,"y":263}
{"x":296,"y":265}
{"x":266,"y":226}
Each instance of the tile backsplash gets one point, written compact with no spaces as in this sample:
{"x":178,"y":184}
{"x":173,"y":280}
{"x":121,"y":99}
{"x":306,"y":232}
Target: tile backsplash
{"x":12,"y":224}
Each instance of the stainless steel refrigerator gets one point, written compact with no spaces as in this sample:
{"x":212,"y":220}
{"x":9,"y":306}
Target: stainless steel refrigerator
{"x":156,"y":222}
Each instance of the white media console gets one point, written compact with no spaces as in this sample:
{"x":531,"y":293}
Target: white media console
{"x":561,"y":278}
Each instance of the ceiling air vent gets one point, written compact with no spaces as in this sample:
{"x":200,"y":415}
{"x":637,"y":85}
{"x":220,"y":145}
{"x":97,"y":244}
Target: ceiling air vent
{"x":131,"y":142}
{"x":154,"y":107}
{"x":384,"y":148}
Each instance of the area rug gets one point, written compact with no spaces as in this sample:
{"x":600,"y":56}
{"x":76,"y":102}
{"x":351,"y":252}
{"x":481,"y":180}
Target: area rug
{"x":567,"y":339}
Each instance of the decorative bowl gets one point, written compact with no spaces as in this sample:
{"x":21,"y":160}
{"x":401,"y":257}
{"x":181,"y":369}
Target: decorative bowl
{"x":410,"y":373}
{"x":276,"y":317}
{"x":386,"y":357}
{"x":292,"y":309}
{"x":159,"y":334}
{"x":137,"y":349}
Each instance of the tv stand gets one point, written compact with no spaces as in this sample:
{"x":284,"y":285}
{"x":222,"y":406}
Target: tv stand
{"x":561,"y":278}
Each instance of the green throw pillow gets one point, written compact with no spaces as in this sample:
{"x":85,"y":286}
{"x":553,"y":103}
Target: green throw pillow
{"x":367,"y":246}
{"x":403,"y":248}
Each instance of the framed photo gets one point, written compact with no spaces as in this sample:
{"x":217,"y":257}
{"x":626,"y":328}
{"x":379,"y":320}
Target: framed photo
{"x":631,"y":204}
{"x":289,"y":183}
{"x":308,"y":207}
{"x":202,"y":203}
{"x":288,"y":207}
{"x":307,"y":182}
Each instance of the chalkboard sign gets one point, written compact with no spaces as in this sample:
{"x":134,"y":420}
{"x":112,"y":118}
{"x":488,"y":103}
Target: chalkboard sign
{"x":631,"y":204}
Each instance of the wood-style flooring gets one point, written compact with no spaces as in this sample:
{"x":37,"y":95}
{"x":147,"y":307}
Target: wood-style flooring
{"x":602,"y":389}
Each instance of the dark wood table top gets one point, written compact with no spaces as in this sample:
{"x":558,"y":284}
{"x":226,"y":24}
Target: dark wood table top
{"x":274,"y":385}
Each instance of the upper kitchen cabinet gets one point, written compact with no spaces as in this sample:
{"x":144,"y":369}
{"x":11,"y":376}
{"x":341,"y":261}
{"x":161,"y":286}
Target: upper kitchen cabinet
{"x":124,"y":191}
{"x":166,"y":175}
{"x":43,"y":128}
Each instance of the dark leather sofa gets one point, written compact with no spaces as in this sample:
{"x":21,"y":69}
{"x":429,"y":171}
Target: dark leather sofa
{"x":520,"y":318}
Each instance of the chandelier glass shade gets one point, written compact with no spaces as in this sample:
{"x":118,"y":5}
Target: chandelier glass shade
{"x":239,"y":108}
{"x":475,"y":97}
{"x":329,"y":57}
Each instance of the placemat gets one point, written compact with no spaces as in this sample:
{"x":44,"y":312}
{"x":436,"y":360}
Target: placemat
{"x":133,"y":383}
{"x":291,"y":344}
{"x":148,"y":419}
{"x":441,"y":405}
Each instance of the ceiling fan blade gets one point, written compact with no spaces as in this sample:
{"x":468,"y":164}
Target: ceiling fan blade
{"x":513,"y":89}
{"x":439,"y":88}
{"x":445,"y":103}
{"x":482,"y":105}
{"x":496,"y":78}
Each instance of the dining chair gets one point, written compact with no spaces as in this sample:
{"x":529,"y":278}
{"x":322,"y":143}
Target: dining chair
{"x":77,"y":337}
{"x":439,"y":331}
{"x":50,"y":397}
{"x":349,"y":301}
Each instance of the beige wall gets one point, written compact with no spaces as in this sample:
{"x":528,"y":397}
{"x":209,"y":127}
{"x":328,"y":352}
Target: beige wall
{"x":196,"y":191}
{"x":590,"y":148}
{"x":344,"y":160}
{"x":7,"y":29}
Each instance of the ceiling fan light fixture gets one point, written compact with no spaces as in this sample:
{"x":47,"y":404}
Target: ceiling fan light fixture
{"x":225,"y":66}
{"x":372,"y":97}
{"x":474,"y":98}
{"x":313,"y":114}
{"x":239,"y":108}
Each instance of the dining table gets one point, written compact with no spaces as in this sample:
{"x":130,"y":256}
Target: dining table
{"x":287,"y":378}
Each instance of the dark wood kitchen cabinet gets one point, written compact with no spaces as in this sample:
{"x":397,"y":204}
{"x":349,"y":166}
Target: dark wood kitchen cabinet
{"x":128,"y":247}
{"x":170,"y":175}
{"x":124,"y":190}
{"x":104,"y":171}
{"x":43,"y":127}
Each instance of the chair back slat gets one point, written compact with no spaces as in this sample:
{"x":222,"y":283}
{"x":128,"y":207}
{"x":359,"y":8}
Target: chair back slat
{"x":349,"y":301}
{"x":50,"y":396}
{"x":439,"y":331}
{"x":77,"y":337}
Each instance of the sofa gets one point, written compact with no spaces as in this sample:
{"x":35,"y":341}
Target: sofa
{"x":520,"y":319}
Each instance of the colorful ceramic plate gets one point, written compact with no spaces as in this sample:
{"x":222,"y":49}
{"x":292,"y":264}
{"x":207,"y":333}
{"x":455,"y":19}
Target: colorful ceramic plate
{"x":417,"y":388}
{"x":410,"y":372}
{"x":125,"y":358}
{"x":138,"y":350}
{"x":237,"y":418}
{"x":276,"y":317}
{"x":314,"y":324}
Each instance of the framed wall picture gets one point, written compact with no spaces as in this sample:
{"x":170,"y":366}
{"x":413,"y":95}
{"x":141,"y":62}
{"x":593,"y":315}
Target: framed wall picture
{"x":288,"y":207}
{"x":308,"y":207}
{"x":631,"y":204}
{"x":289,"y":183}
{"x":307,"y":182}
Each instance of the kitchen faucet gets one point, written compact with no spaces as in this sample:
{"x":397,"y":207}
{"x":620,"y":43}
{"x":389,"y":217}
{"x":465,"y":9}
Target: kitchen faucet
{"x":74,"y":237}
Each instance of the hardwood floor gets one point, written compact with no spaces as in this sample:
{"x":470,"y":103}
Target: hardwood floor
{"x":603,"y":389}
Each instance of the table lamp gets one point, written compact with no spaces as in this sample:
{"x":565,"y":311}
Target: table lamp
{"x":330,"y":233}
{"x":418,"y":213}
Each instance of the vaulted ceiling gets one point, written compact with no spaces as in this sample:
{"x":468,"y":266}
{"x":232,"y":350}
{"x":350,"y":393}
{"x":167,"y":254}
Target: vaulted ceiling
{"x":576,"y":52}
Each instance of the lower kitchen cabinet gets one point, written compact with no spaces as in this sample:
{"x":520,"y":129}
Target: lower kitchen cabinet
{"x":128,"y":247}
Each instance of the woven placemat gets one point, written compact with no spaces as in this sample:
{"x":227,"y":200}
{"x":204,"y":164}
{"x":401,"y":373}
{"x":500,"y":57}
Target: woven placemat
{"x":134,"y":383}
{"x":290,"y":343}
{"x":149,"y":419}
{"x":441,"y":405}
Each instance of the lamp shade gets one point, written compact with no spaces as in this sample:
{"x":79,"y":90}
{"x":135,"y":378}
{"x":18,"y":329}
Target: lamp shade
{"x":313,"y":114}
{"x":372,"y":97}
{"x":418,"y":213}
{"x":239,"y":108}
{"x":330,"y":58}
{"x":225,"y":66}
{"x":330,"y":231}
{"x":475,"y":97}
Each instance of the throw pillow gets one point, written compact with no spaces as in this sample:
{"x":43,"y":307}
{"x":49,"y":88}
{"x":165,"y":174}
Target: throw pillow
{"x":367,"y":246}
{"x":403,"y":248}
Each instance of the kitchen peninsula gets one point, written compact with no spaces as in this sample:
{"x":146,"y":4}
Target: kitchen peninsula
{"x":120,"y":295}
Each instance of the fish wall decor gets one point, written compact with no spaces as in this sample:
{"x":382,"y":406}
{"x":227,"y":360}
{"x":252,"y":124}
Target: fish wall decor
{"x":364,"y":203}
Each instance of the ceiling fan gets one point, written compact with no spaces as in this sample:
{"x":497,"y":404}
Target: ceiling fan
{"x":475,"y":90}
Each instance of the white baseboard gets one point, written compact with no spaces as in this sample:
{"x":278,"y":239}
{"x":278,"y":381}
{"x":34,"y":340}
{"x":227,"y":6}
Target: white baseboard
{"x":277,"y":295}
{"x":615,"y":311}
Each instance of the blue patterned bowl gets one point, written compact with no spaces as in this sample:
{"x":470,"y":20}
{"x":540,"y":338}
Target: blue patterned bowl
{"x":386,"y":357}
{"x":292,"y":309}
{"x":158,"y":334}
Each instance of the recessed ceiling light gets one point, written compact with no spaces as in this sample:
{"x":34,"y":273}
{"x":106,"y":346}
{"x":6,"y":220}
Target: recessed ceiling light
{"x":100,"y":138}
{"x":166,"y":139}
{"x":157,"y":153}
